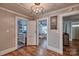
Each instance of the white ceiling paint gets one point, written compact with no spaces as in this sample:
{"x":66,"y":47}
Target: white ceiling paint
{"x":25,"y":8}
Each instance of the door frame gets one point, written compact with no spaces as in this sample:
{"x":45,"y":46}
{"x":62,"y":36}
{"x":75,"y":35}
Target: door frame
{"x":61,"y":25}
{"x":17,"y":17}
{"x":38,"y":29}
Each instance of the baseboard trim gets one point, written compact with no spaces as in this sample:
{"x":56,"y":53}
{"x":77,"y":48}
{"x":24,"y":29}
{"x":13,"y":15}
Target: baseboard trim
{"x":55,"y":50}
{"x":7,"y":51}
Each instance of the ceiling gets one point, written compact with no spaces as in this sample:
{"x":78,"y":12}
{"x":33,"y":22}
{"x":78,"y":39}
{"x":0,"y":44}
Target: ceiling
{"x":25,"y":8}
{"x":71,"y":17}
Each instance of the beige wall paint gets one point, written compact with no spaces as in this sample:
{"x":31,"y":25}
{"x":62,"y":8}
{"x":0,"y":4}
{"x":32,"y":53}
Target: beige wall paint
{"x":7,"y":30}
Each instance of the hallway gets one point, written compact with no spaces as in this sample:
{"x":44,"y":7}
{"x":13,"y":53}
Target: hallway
{"x":29,"y":51}
{"x":40,"y":29}
{"x":73,"y":49}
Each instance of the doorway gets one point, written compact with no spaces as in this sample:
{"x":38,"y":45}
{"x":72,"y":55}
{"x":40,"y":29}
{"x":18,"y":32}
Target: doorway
{"x":71,"y":34}
{"x":21,"y":32}
{"x":43,"y":36}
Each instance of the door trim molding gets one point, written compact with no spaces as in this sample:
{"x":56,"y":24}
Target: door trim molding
{"x":38,"y":29}
{"x":61,"y":24}
{"x":16,"y":37}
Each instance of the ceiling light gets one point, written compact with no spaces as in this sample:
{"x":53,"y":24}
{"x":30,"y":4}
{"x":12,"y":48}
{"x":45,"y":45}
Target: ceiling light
{"x":37,"y":9}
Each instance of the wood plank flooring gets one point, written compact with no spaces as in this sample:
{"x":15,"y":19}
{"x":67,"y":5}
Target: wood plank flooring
{"x":29,"y":51}
{"x":71,"y":50}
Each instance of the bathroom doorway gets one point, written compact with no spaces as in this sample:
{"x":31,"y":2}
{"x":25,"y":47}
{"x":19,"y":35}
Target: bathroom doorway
{"x":21,"y":32}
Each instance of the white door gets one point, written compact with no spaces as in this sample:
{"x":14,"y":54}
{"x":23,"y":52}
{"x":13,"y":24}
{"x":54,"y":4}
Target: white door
{"x":31,"y":39}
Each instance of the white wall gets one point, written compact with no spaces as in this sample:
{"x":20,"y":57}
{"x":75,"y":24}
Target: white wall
{"x":55,"y":41}
{"x":75,"y":31}
{"x":54,"y":37}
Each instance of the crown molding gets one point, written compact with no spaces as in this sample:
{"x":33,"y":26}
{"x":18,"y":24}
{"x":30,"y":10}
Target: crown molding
{"x":59,"y":10}
{"x":15,"y":12}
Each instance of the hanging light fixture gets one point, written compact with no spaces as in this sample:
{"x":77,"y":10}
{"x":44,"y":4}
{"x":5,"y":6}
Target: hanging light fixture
{"x":37,"y":9}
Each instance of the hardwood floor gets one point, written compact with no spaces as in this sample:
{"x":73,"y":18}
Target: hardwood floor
{"x":71,"y":50}
{"x":29,"y":51}
{"x":74,"y":47}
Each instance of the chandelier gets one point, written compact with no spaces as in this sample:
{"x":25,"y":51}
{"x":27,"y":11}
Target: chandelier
{"x":37,"y":9}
